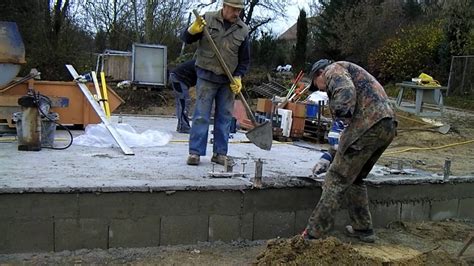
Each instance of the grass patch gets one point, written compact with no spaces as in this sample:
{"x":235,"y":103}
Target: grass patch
{"x":462,"y":102}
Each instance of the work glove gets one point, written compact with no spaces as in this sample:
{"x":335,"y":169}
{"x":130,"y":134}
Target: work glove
{"x":236,"y":86}
{"x":335,"y":133}
{"x":323,"y":164}
{"x":197,"y":26}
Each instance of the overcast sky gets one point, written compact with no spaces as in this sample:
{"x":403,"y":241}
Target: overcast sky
{"x":293,"y":11}
{"x":278,"y":26}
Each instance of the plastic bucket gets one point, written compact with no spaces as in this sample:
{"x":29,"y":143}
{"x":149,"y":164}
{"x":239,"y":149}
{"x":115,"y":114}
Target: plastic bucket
{"x":311,"y":110}
{"x":48,"y":130}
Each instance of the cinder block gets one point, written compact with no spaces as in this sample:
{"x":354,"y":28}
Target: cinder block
{"x":301,"y":220}
{"x":466,"y":209}
{"x":72,"y":234}
{"x":420,"y":192}
{"x":20,"y":235}
{"x":38,"y":206}
{"x":105,"y":205}
{"x":283,"y":199}
{"x":142,"y":232}
{"x":184,"y":229}
{"x":415,"y":211}
{"x":383,"y":214}
{"x":246,"y":226}
{"x":273,"y":224}
{"x":184,"y":203}
{"x":224,"y":228}
{"x":441,"y":210}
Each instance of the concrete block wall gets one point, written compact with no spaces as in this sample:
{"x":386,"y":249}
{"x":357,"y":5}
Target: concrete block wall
{"x":54,"y":222}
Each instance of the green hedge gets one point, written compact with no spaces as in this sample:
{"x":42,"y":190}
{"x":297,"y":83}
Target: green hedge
{"x":412,"y":51}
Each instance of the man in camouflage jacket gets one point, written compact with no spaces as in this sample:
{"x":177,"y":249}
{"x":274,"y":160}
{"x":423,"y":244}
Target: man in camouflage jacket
{"x":357,"y":99}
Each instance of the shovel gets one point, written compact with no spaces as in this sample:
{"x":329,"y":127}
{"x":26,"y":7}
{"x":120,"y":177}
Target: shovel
{"x":260,"y":135}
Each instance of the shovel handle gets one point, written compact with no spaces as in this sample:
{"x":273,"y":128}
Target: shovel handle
{"x":226,"y":69}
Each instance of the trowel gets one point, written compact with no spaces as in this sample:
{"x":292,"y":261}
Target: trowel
{"x":261,"y":135}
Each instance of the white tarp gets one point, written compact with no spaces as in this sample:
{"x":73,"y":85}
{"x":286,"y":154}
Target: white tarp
{"x":99,"y":136}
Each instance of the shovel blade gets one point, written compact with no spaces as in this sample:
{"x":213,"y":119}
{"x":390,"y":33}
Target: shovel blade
{"x":444,"y":129}
{"x":261,"y":136}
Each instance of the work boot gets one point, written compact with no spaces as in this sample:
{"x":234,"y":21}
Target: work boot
{"x":367,"y":236}
{"x":220,"y":159}
{"x":306,"y":236}
{"x":183,"y":130}
{"x":193,"y":159}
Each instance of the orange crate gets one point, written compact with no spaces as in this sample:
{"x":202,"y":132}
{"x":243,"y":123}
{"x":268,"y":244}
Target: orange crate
{"x":264,"y":105}
{"x":297,"y":127}
{"x":298,"y":109}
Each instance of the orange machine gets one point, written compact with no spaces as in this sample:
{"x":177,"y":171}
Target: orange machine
{"x":78,"y":111}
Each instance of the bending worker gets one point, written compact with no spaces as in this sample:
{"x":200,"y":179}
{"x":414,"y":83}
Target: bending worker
{"x":182,"y":78}
{"x":230,"y":35}
{"x":359,"y":101}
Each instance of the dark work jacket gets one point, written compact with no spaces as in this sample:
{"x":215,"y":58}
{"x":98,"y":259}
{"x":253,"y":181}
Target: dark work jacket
{"x":186,"y":73}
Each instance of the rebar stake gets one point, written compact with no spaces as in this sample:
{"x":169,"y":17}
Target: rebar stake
{"x":257,"y":181}
{"x":447,"y":169}
{"x":400,"y":165}
{"x":243,"y":167}
{"x":120,"y":118}
{"x":228,"y":165}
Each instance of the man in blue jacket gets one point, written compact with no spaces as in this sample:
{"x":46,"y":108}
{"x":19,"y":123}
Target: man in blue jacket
{"x":182,"y":78}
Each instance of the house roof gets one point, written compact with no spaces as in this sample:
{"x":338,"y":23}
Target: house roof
{"x":289,"y":34}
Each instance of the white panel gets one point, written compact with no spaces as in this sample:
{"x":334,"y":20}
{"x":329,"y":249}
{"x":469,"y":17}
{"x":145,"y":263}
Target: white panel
{"x":149,"y":64}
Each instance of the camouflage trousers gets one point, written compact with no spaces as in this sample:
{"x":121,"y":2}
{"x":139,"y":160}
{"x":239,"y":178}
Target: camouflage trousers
{"x":345,"y":180}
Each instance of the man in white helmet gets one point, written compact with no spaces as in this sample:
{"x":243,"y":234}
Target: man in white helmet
{"x":230,"y":34}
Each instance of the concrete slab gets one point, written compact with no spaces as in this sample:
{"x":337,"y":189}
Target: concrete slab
{"x":86,"y":197}
{"x":163,"y":168}
{"x":86,"y":169}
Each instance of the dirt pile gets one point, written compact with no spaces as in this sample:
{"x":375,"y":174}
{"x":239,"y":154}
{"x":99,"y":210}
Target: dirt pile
{"x":298,"y":251}
{"x":332,"y":251}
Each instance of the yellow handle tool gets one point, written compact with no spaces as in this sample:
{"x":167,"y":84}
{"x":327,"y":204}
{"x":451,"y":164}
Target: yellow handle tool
{"x":104,"y":95}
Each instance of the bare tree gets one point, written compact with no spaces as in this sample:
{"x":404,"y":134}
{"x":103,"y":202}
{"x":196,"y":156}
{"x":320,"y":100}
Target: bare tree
{"x":261,"y":12}
{"x":114,"y":17}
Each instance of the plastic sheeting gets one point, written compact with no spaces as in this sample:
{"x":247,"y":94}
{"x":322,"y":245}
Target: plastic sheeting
{"x":99,"y":136}
{"x":318,"y":96}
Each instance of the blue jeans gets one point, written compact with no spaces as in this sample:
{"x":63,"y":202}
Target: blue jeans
{"x":183,"y":102}
{"x":206,"y":94}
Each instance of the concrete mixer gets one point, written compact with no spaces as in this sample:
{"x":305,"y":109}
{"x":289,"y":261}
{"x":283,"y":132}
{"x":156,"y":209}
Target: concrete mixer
{"x":25,"y":102}
{"x":12,"y":52}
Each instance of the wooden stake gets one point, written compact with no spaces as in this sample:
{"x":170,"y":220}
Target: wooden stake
{"x":105,"y":95}
{"x":97,"y":89}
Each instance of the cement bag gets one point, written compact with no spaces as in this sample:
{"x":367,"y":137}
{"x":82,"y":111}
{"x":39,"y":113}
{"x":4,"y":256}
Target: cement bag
{"x":99,"y":136}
